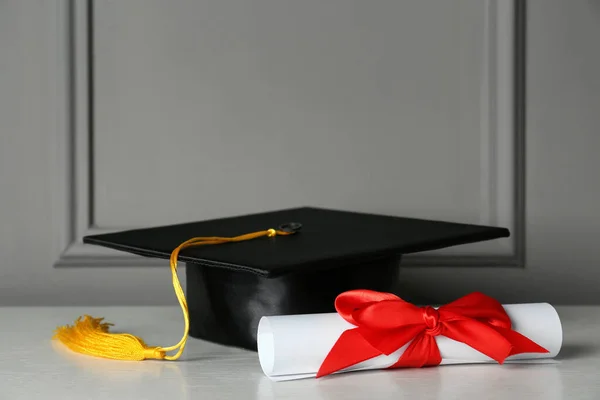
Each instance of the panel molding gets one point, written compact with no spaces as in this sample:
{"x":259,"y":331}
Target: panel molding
{"x":502,"y":128}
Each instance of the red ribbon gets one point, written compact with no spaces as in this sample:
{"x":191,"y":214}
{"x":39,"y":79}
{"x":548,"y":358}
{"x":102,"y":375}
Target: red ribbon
{"x":384,"y":323}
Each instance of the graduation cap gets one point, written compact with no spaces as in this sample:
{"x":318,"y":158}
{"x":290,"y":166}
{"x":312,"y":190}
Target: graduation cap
{"x":293,"y":261}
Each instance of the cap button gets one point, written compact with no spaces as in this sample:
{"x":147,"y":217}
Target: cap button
{"x":290,"y":227}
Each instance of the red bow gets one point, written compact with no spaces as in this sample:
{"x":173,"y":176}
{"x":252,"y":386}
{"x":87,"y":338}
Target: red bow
{"x":384,"y":323}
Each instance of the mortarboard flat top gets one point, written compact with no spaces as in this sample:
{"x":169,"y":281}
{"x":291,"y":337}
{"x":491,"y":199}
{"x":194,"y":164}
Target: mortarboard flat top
{"x":231,"y":286}
{"x":328,"y":238}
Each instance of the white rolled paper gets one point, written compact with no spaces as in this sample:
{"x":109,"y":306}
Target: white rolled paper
{"x":294,"y":346}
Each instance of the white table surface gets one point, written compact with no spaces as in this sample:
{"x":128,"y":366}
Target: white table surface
{"x":32,"y":366}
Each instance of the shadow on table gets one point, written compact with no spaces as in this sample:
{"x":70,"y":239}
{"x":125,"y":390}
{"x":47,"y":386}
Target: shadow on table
{"x":126,"y":373}
{"x":477,"y":381}
{"x":573,"y":351}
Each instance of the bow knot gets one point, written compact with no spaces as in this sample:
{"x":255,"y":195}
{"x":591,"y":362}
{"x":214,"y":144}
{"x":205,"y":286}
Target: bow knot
{"x":431,"y":316}
{"x":384,"y":323}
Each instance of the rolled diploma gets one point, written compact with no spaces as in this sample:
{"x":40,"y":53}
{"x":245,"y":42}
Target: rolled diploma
{"x":294,"y":346}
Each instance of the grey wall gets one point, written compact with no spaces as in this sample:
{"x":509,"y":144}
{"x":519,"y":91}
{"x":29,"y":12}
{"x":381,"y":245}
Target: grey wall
{"x":388,"y":107}
{"x":562,"y":182}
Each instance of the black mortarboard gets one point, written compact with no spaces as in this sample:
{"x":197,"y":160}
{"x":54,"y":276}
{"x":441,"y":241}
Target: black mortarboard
{"x":231,"y":286}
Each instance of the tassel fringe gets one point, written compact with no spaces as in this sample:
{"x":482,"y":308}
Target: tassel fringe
{"x":91,"y":336}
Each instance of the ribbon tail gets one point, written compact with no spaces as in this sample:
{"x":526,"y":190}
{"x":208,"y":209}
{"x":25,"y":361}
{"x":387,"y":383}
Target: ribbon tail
{"x":423,"y":351}
{"x":520,"y":343}
{"x":350,"y":349}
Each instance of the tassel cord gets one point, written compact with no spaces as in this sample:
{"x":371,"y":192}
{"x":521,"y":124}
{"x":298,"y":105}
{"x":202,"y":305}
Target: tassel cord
{"x":91,"y":336}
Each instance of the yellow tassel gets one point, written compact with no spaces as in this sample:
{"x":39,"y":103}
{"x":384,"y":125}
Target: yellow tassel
{"x":91,"y":336}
